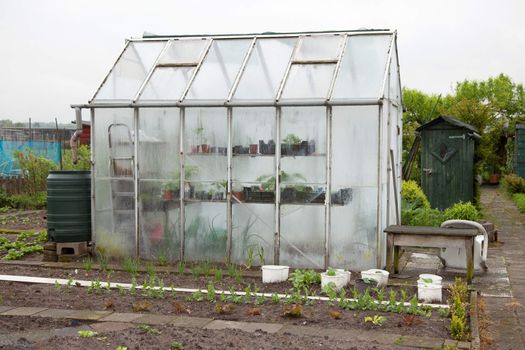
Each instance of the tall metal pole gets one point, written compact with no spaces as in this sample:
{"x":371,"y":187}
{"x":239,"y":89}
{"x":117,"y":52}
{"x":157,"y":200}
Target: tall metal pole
{"x":229,"y":211}
{"x":182,"y":184}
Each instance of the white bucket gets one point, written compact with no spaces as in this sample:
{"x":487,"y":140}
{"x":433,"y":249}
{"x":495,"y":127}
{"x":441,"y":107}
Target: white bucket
{"x":275,"y":273}
{"x":380,"y":276}
{"x":339,"y":280}
{"x":429,"y":288}
{"x":347,"y":274}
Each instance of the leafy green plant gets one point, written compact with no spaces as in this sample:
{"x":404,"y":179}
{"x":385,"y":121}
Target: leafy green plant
{"x":87,"y":334}
{"x":514,"y":184}
{"x":148,"y":329}
{"x":458,"y":307}
{"x":519,"y":200}
{"x":181,"y":267}
{"x":211,"y":292}
{"x":151,"y":270}
{"x":462,"y":211}
{"x":34,"y":169}
{"x":275,"y":298}
{"x":249,"y":257}
{"x":376,"y":320}
{"x":413,"y":194}
{"x":25,"y":243}
{"x":162,"y":259}
{"x":331,"y":271}
{"x":102,"y":260}
{"x":304,"y":278}
{"x":120,"y":347}
{"x":292,"y":139}
{"x":175,"y":345}
{"x":218,"y":275}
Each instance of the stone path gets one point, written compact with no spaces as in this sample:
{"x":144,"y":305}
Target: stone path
{"x":107,"y":321}
{"x":504,"y":292}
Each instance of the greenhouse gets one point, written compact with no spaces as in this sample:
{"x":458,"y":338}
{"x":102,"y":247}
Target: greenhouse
{"x":273,"y":148}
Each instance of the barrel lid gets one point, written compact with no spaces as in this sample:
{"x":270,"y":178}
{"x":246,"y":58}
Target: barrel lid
{"x":70,"y":172}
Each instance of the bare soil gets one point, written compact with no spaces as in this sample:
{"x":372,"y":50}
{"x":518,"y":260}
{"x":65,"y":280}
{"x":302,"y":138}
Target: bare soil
{"x":30,"y":220}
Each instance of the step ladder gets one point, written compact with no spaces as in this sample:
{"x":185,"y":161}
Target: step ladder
{"x":122,"y":184}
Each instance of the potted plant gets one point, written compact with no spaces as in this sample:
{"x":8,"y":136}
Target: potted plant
{"x":238,"y":192}
{"x":170,"y":190}
{"x":275,"y":273}
{"x":199,"y":133}
{"x":253,"y":149}
{"x":429,"y":288}
{"x":381,"y":276}
{"x":332,"y":276}
{"x":290,"y":145}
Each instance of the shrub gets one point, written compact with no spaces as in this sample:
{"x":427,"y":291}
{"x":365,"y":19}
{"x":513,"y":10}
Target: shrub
{"x":519,"y":200}
{"x":421,"y":216}
{"x":514,"y":184}
{"x":412,"y":194}
{"x":461,"y":211}
{"x":35,"y":169}
{"x":83,"y":163}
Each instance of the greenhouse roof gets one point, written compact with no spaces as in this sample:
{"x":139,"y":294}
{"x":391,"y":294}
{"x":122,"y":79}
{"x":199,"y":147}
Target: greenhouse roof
{"x":339,"y":67}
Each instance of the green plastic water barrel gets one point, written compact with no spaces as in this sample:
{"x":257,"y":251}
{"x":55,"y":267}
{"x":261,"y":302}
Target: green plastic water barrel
{"x":69,"y":206}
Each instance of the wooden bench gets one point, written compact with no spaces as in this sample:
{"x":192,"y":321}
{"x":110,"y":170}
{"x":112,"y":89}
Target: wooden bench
{"x":430,"y":237}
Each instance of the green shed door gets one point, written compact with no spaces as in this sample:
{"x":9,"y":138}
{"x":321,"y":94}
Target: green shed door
{"x":447,"y":166}
{"x":519,"y":151}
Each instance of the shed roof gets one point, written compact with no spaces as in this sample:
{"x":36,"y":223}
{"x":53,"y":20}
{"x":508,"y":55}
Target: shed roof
{"x":449,"y":120}
{"x":313,"y":66}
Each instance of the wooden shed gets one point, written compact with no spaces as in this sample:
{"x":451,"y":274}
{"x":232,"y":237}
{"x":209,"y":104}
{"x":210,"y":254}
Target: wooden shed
{"x":447,"y":161}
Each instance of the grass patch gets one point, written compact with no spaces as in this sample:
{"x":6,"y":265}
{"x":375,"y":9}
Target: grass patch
{"x":519,"y":200}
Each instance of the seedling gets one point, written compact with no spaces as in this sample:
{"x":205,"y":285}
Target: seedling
{"x":175,"y":345}
{"x":121,"y":290}
{"x":211,"y":292}
{"x":120,"y":347}
{"x":148,"y":329}
{"x":275,"y":298}
{"x":102,"y":261}
{"x":87,"y":334}
{"x":58,"y":286}
{"x":218,"y":275}
{"x":87,"y":263}
{"x":131,"y":266}
{"x":151,"y":271}
{"x":181,"y":267}
{"x":249,"y":258}
{"x":331,"y":271}
{"x":260,"y":255}
{"x":376,"y":320}
{"x":205,"y":268}
{"x":162,"y":259}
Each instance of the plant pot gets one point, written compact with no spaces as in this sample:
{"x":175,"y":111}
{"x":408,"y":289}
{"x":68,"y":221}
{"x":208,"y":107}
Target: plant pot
{"x":347,"y":274}
{"x":239,"y":195}
{"x":167,"y":195}
{"x":494,"y":179}
{"x":194,"y":149}
{"x":271,"y":147}
{"x":222,"y":150}
{"x":237,"y":149}
{"x":296,"y":149}
{"x":205,"y":148}
{"x":362,"y":285}
{"x":213,"y":149}
{"x":381,"y":276}
{"x":429,"y":291}
{"x":253,"y":148}
{"x":275,"y":273}
{"x":339,"y":280}
{"x":288,"y":195}
{"x":311,"y":147}
{"x":263,"y":147}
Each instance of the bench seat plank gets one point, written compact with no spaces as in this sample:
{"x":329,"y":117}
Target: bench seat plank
{"x":429,"y":230}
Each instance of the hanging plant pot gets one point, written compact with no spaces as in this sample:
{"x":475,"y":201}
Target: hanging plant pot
{"x":380,"y":276}
{"x":275,"y":273}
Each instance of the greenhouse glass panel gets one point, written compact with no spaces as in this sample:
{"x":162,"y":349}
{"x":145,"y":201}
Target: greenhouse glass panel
{"x":130,"y":71}
{"x":308,"y":81}
{"x":114,"y":184}
{"x":395,"y":91}
{"x":205,"y":161}
{"x":363,"y":67}
{"x":253,"y":233}
{"x":302,"y":236}
{"x":318,"y":47}
{"x":167,"y":83}
{"x":183,"y":52}
{"x":159,"y":184}
{"x":354,"y":187}
{"x":219,"y":69}
{"x":206,"y":232}
{"x":265,"y":69}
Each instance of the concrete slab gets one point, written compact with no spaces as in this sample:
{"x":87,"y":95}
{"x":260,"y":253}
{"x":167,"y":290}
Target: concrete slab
{"x":190,"y":322}
{"x":153,"y":319}
{"x":88,"y":315}
{"x":23,"y":311}
{"x":5,"y":308}
{"x":422,"y":342}
{"x":121,"y":317}
{"x":70,"y":331}
{"x":111,"y":326}
{"x":245,"y":326}
{"x":55,"y":313}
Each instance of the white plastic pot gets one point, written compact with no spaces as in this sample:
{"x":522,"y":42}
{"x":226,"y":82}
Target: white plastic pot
{"x":347,"y":274}
{"x":380,"y":276}
{"x":275,"y":273}
{"x":339,"y":280}
{"x":429,"y":288}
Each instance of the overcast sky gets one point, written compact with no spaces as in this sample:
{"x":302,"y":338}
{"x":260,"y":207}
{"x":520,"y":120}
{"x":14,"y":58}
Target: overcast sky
{"x":55,"y":53}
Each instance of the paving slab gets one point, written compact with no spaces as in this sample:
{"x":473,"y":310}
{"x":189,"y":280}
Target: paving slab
{"x":110,"y":326}
{"x":121,"y":317}
{"x":154,"y":319}
{"x":70,"y":331}
{"x":88,"y":315}
{"x":422,"y":342}
{"x":55,"y":313}
{"x":190,"y":322}
{"x":5,"y":308}
{"x":245,"y":326}
{"x":23,"y":311}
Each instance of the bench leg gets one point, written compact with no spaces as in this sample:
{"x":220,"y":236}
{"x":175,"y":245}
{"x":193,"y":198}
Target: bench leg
{"x":389,"y":251}
{"x":396,"y":258}
{"x":469,"y":250}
